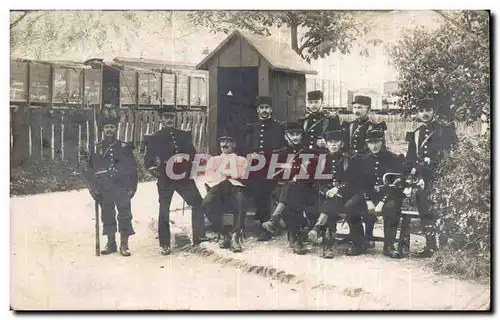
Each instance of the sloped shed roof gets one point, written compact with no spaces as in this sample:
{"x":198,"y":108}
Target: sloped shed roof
{"x":279,"y":56}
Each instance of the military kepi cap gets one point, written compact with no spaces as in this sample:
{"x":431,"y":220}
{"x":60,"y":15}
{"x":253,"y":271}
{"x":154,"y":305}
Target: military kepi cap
{"x":315,"y":95}
{"x":107,"y":120}
{"x":109,"y":116}
{"x":364,"y":100}
{"x":226,"y":135}
{"x":263,"y":100}
{"x":334,"y":135}
{"x":375,"y":134}
{"x":426,"y":103}
{"x":292,"y":126}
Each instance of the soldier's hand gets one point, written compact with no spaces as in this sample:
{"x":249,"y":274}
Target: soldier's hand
{"x":427,"y":160}
{"x":179,"y":159}
{"x":407,"y":192}
{"x":321,"y":143}
{"x":421,"y":184}
{"x":371,"y":206}
{"x":154,"y":172}
{"x":332,"y":192}
{"x":398,"y":182}
{"x":379,"y":207}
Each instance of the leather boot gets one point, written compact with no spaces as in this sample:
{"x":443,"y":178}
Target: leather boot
{"x":235,"y":242}
{"x":124,"y":250}
{"x":165,"y":250}
{"x":315,"y":234}
{"x":273,"y":222}
{"x":430,"y":243}
{"x":391,"y":252}
{"x":298,"y":244}
{"x":328,"y":243}
{"x":358,"y":242}
{"x":264,"y":235}
{"x":110,"y":246}
{"x":226,"y":241}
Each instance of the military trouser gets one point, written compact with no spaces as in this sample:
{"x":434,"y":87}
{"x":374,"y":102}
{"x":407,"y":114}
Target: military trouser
{"x":219,"y":198}
{"x":188,"y":190}
{"x":427,"y":216}
{"x":260,"y":189}
{"x":109,"y":217}
{"x":333,"y":208}
{"x":357,"y":210}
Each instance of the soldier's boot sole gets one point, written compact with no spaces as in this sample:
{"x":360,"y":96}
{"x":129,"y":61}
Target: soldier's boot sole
{"x":124,"y":251}
{"x":314,"y":236}
{"x":109,"y":249}
{"x":270,"y":227}
{"x":165,"y":251}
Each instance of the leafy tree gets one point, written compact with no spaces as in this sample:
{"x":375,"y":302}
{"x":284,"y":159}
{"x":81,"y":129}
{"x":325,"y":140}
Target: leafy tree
{"x":48,"y":34}
{"x":313,"y":34}
{"x":451,"y":63}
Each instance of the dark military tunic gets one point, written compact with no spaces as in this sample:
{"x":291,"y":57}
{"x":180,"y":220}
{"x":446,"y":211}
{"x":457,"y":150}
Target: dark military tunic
{"x":114,"y":170}
{"x":315,"y":125}
{"x":355,"y":134}
{"x":337,"y":165}
{"x":367,"y":179}
{"x":425,"y":146}
{"x":263,"y":137}
{"x":161,"y":146}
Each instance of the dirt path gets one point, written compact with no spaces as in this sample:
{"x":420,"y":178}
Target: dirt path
{"x":53,"y":266}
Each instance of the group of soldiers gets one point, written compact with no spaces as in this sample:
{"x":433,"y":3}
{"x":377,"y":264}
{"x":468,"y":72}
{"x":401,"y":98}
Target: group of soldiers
{"x":352,"y":153}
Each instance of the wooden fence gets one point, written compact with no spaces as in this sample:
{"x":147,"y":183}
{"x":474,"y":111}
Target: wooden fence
{"x":64,"y":134}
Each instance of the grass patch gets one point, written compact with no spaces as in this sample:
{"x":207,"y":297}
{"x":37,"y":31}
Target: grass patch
{"x":467,"y":265}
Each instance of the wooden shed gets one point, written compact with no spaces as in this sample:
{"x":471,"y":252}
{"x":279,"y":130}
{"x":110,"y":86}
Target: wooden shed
{"x":245,"y":66}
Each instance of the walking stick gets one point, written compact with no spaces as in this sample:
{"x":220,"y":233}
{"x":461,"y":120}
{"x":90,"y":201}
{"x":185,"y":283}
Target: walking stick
{"x":97,"y":234}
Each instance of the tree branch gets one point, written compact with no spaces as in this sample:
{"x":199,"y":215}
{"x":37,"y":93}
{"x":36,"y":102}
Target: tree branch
{"x":456,"y":24}
{"x":25,"y":13}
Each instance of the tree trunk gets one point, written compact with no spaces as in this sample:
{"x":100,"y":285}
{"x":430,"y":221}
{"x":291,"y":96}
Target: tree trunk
{"x":294,"y":35}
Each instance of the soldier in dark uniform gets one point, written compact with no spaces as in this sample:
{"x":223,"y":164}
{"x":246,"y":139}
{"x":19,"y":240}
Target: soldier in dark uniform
{"x":334,"y":193}
{"x":371,"y":196}
{"x":425,"y":147}
{"x":355,"y":143}
{"x":226,"y":184}
{"x":114,"y":171}
{"x":294,"y":192}
{"x":167,"y":145}
{"x":263,"y":137}
{"x":318,"y":121}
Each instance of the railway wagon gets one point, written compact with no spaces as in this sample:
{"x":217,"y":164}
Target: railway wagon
{"x":66,"y":84}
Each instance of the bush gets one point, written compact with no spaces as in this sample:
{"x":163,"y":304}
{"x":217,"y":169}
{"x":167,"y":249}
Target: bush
{"x":41,"y":176}
{"x":462,"y":197}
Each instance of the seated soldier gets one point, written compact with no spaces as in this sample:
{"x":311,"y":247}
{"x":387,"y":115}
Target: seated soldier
{"x":294,"y":189}
{"x":334,"y":193}
{"x":224,"y":177}
{"x":372,"y":197}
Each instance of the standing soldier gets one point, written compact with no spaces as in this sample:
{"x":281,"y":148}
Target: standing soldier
{"x":166,"y":144}
{"x":114,"y":171}
{"x":425,"y":147}
{"x":355,"y":144}
{"x":372,"y":197}
{"x":334,"y":193}
{"x":318,"y":121}
{"x":293,"y":192}
{"x":263,"y":137}
{"x":225,"y":182}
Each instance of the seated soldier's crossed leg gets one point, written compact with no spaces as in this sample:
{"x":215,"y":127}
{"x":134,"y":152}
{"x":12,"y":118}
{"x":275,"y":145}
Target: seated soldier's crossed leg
{"x":324,"y":230}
